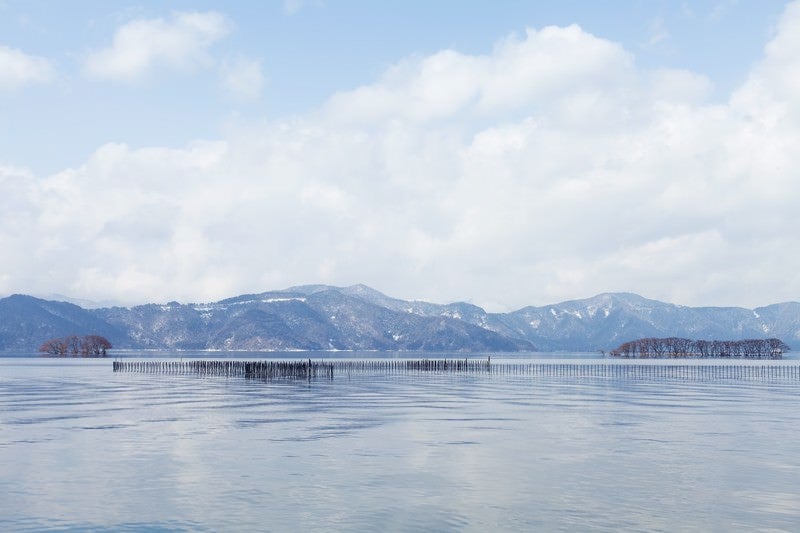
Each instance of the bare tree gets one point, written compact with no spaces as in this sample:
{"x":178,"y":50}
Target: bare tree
{"x":94,"y":345}
{"x":72,"y":345}
{"x":54,"y":347}
{"x":679,"y":347}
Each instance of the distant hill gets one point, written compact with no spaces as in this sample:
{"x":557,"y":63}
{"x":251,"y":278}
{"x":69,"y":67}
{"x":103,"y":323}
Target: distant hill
{"x":26,"y":322}
{"x":321,"y":317}
{"x":606,"y":320}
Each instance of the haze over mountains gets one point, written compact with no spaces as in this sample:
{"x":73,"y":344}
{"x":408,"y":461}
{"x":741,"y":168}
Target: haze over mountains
{"x":321,"y":317}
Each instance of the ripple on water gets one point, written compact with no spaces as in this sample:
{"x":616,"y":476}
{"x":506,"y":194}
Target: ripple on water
{"x":86,"y":449}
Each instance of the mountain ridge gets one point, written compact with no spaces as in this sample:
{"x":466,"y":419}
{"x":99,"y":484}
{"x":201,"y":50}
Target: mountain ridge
{"x":358,"y":317}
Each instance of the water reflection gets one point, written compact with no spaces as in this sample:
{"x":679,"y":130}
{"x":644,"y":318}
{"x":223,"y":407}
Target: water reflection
{"x":84,"y":448}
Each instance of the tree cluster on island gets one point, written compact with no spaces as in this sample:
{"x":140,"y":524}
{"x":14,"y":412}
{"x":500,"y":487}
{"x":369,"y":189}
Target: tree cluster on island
{"x":678,"y":347}
{"x":74,"y":346}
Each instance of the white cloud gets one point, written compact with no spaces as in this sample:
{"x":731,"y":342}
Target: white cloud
{"x":658,"y":33}
{"x":719,"y":9}
{"x":773,"y":89}
{"x":520,"y":74}
{"x":242,"y":78}
{"x":551,"y":62}
{"x":292,"y":7}
{"x":180,"y":42}
{"x":549,"y":168}
{"x":18,"y":68}
{"x":679,"y":86}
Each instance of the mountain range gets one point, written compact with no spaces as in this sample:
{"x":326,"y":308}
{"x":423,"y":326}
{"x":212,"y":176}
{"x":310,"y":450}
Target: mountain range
{"x":322,"y":317}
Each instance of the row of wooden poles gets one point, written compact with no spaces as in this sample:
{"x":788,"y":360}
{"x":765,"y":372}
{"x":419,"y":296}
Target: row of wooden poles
{"x":308,"y":369}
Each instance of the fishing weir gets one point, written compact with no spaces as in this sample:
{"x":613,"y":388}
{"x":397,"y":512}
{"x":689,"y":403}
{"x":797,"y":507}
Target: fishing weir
{"x":308,"y":369}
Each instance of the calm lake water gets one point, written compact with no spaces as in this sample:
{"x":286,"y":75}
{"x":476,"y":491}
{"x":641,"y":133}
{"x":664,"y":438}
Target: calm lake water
{"x":83,"y":448}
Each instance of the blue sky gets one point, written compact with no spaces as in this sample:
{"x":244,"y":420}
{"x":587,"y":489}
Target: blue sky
{"x":310,"y":49}
{"x":506,"y":153}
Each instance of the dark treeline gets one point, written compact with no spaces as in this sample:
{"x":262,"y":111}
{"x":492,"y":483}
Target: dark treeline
{"x":74,"y":346}
{"x":678,"y":347}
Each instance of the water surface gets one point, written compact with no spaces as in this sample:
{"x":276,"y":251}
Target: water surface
{"x":83,"y":448}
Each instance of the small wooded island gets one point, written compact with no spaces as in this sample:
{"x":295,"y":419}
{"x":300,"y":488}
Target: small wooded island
{"x":687,"y":348}
{"x":74,"y":346}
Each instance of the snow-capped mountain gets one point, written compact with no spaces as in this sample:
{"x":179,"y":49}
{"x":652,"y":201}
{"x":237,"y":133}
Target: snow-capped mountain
{"x":321,"y":317}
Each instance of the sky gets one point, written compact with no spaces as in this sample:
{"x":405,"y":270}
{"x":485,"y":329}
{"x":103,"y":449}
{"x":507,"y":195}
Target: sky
{"x":504,"y":153}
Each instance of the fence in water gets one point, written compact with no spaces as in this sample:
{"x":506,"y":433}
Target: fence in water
{"x":308,"y":369}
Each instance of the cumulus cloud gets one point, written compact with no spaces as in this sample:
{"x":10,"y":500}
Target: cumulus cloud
{"x":179,"y":42}
{"x":18,"y":68}
{"x":521,"y":74}
{"x":772,"y":92}
{"x":550,"y":167}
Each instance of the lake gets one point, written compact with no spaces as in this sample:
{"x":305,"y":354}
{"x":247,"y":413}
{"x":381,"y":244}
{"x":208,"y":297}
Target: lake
{"x":84,"y":448}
